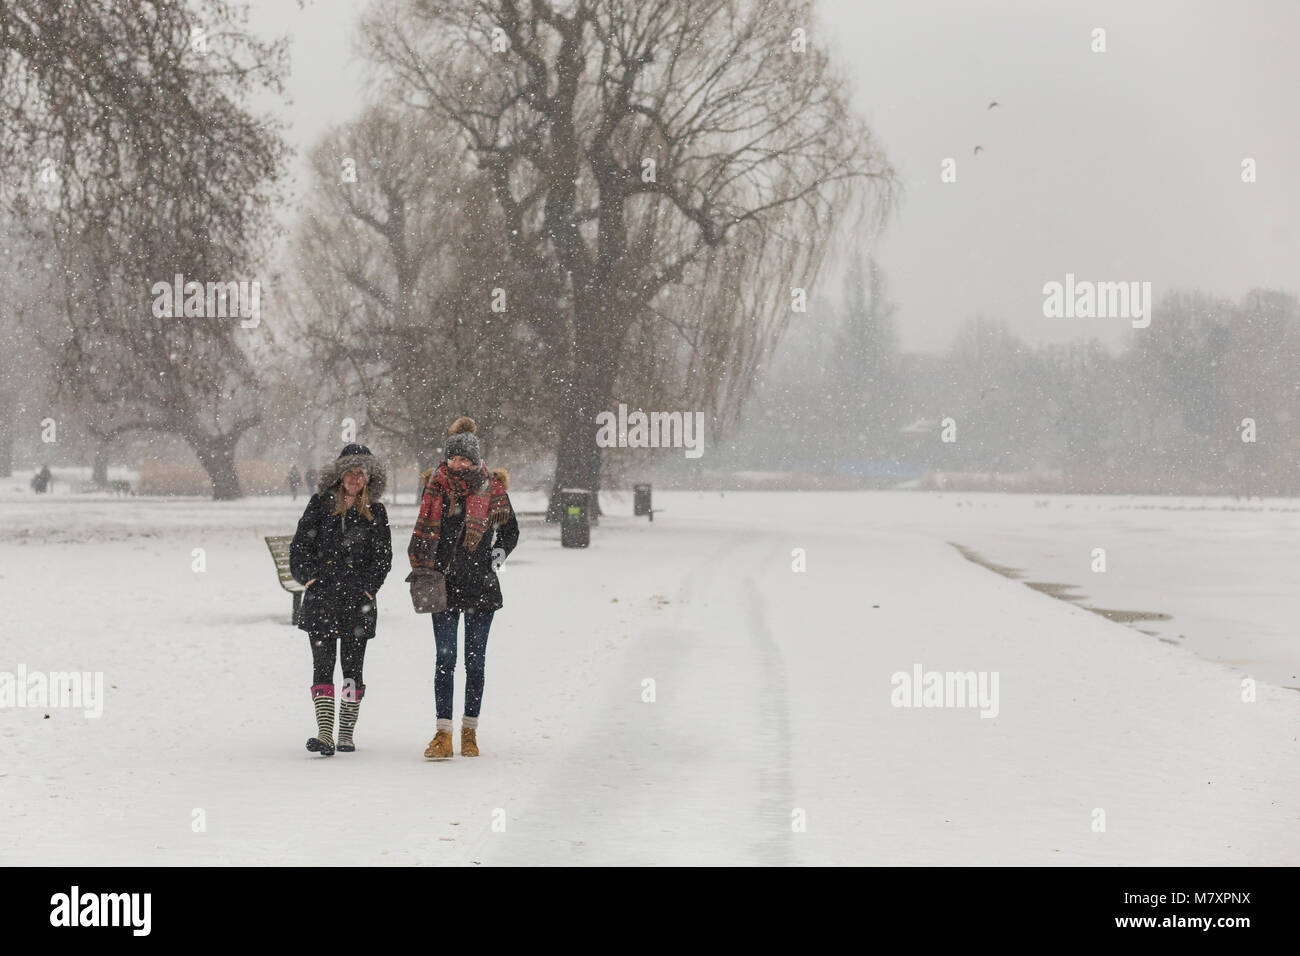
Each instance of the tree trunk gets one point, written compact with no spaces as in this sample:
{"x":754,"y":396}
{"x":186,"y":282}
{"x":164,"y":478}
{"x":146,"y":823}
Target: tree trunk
{"x":577,"y":463}
{"x":99,"y":470}
{"x":8,"y":413}
{"x":217,"y":456}
{"x":577,"y":458}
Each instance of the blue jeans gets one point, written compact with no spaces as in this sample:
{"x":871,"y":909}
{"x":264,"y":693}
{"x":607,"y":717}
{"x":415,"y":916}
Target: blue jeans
{"x":477,"y":624}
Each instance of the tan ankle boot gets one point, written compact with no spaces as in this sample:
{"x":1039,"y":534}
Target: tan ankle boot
{"x":468,"y":745}
{"x":440,"y":746}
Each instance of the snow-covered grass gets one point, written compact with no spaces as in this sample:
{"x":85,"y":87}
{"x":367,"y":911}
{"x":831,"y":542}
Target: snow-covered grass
{"x":72,"y":480}
{"x":772,"y":690}
{"x":1224,"y":570}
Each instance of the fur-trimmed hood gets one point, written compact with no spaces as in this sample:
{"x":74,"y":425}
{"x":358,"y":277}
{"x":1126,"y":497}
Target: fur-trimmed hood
{"x":331,"y":473}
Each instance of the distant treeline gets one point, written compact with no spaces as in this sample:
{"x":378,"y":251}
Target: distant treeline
{"x":1204,"y":401}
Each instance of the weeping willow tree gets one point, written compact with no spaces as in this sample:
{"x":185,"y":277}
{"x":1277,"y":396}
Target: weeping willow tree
{"x":682,"y":163}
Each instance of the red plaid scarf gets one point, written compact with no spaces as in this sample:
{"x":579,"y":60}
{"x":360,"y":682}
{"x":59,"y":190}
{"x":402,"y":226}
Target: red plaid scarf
{"x":483,"y":496}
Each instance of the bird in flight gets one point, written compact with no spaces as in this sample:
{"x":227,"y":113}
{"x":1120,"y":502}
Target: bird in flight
{"x":994,"y":103}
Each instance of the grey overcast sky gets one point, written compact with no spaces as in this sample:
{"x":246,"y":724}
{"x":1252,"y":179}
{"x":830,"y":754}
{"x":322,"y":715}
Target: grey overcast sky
{"x":1123,"y":165}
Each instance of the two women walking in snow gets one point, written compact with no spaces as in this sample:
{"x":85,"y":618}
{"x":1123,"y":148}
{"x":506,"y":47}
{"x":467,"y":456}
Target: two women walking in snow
{"x":465,"y":529}
{"x":341,"y":552}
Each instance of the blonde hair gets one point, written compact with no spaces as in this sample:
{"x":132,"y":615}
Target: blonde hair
{"x":362,"y":503}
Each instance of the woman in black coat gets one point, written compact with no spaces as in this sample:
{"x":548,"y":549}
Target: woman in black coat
{"x":341,"y":552}
{"x":465,"y":529}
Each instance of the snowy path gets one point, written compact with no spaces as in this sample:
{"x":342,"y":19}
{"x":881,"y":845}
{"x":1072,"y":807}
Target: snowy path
{"x":772,"y":692}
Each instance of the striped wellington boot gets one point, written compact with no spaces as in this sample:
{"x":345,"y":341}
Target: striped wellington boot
{"x":322,"y":698}
{"x":349,"y":706}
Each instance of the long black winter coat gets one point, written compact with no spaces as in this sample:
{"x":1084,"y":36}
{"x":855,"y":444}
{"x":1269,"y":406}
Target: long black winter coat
{"x":472,"y":583}
{"x":348,"y":556}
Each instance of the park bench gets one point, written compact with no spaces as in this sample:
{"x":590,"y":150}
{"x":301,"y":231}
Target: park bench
{"x":279,"y":546}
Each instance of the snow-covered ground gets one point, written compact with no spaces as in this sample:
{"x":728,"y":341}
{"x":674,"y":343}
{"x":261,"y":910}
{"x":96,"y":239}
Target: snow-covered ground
{"x":1217,"y":574}
{"x":772,"y":689}
{"x":68,"y":480}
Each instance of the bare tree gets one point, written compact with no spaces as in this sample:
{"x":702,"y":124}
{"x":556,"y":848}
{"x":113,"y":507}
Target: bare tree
{"x":130,"y":118}
{"x":397,"y":263}
{"x":862,"y":369}
{"x":25,"y":292}
{"x":682,"y":161}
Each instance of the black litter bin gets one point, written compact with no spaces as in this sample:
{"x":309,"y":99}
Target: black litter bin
{"x":575,"y":517}
{"x":641,"y":501}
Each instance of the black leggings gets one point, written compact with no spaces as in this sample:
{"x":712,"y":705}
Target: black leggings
{"x":323,"y":650}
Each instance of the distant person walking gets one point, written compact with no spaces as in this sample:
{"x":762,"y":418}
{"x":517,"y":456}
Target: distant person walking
{"x":43,"y":481}
{"x":465,"y":529}
{"x":294,"y":479}
{"x":341,"y":552}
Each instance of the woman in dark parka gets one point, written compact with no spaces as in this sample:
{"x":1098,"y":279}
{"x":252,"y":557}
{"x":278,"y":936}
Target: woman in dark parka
{"x":465,"y":529}
{"x":342,"y":551}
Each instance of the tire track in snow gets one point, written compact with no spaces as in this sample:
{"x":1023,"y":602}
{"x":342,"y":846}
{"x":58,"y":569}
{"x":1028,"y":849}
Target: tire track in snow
{"x":775,"y":777}
{"x":658,"y":791}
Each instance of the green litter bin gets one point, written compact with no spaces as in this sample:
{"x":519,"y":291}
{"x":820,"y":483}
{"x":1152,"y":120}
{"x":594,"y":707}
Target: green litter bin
{"x":575,"y":517}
